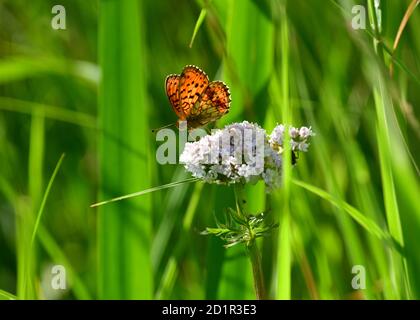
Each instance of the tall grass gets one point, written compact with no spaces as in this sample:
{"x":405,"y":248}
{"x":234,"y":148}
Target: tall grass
{"x":284,"y":251}
{"x":27,"y":257}
{"x":124,"y":230}
{"x":384,"y":111}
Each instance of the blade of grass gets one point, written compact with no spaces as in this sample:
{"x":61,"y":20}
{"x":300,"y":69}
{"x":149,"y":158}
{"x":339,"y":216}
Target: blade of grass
{"x":22,"y":67}
{"x":284,"y":251}
{"x":198,"y":24}
{"x":25,"y":222}
{"x":383,"y":106}
{"x":51,"y":112}
{"x":359,"y":217}
{"x":401,"y":28}
{"x":124,"y":229}
{"x":144,"y":192}
{"x":36,"y":157}
{"x":44,"y":199}
{"x":35,"y":182}
{"x":4,"y":295}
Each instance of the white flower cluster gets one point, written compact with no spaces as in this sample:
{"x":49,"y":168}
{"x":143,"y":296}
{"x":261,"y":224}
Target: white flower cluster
{"x":241,"y":153}
{"x":298,"y":138}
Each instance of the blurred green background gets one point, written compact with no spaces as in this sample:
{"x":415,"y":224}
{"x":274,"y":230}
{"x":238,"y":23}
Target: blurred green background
{"x":95,"y":90}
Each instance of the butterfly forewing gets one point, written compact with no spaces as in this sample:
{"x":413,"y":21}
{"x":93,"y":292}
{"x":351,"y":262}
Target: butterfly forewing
{"x":192,"y":83}
{"x":172,"y":91}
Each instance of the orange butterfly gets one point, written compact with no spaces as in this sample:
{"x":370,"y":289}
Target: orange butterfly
{"x":195,"y":99}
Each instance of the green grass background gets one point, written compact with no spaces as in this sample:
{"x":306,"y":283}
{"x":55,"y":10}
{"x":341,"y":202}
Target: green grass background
{"x":94,"y":92}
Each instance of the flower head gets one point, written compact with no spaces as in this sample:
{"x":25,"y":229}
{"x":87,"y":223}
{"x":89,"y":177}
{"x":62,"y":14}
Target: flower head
{"x":242,"y":153}
{"x":299,"y":138}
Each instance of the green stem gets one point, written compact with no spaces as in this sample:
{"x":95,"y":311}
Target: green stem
{"x":257,"y":272}
{"x":252,"y":247}
{"x":374,"y":19}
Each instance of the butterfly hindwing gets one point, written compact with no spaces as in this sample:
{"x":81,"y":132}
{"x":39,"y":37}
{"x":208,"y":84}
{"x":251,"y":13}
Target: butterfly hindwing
{"x":192,"y":83}
{"x":213,"y":104}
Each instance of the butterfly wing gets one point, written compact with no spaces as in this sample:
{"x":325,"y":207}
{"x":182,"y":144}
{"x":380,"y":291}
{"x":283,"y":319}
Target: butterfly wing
{"x":213,"y":104}
{"x":172,"y":91}
{"x":192,"y":83}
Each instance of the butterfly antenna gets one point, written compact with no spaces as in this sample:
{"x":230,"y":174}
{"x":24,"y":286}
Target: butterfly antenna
{"x":167,"y":126}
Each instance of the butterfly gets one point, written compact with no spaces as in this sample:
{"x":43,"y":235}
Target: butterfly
{"x":195,"y":99}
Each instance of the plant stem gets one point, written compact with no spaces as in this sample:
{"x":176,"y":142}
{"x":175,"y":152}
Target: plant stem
{"x":374,"y":19}
{"x":254,"y":254}
{"x":252,"y":247}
